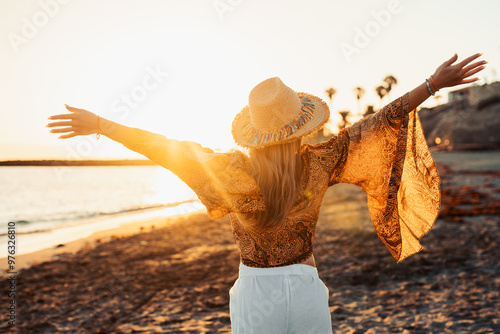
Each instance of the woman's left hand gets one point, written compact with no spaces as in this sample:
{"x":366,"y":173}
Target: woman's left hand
{"x":80,"y":122}
{"x":450,"y":74}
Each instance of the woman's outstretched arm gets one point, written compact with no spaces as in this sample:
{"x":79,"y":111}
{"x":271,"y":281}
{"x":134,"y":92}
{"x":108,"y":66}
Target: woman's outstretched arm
{"x":386,"y":154}
{"x":447,"y":75}
{"x":82,"y":122}
{"x":168,"y":153}
{"x":221,"y":185}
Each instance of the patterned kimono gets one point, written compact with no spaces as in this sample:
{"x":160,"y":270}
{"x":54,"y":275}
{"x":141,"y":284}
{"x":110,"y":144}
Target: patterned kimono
{"x":385,"y":154}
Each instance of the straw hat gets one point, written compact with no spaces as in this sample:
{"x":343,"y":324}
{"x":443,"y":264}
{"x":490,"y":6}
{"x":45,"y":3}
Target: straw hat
{"x":276,"y":114}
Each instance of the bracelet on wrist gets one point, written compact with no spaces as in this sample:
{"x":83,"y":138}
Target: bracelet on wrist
{"x":434,"y":84}
{"x":429,"y":87}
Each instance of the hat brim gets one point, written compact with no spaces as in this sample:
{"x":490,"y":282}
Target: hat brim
{"x":321,"y":114}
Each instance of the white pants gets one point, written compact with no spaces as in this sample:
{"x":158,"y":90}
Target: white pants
{"x":289,"y":299}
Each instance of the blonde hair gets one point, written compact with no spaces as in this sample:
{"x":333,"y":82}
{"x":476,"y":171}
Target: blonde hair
{"x":277,"y":170}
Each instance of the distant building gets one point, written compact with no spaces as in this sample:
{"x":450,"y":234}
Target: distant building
{"x":474,"y":94}
{"x":469,"y":121}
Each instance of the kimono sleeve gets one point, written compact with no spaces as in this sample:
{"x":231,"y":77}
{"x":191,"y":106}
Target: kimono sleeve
{"x":220,"y":180}
{"x":389,"y":159}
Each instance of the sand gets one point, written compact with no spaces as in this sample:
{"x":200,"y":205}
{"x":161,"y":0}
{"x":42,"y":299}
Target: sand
{"x":25,"y":261}
{"x":175,"y":277}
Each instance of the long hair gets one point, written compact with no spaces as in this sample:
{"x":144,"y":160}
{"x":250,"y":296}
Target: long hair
{"x":277,"y":170}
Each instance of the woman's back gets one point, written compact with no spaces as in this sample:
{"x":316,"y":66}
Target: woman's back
{"x":289,"y":240}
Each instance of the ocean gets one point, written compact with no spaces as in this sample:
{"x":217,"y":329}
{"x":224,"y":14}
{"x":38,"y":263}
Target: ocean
{"x":53,"y":204}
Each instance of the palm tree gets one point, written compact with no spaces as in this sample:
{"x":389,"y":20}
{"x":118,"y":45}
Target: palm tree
{"x":330,"y":92}
{"x":390,"y":80}
{"x":369,"y":110}
{"x":360,"y":91}
{"x":381,"y":92}
{"x":344,"y":115}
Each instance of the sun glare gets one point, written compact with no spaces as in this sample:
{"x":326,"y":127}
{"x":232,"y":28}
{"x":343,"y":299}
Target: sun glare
{"x":167,"y":188}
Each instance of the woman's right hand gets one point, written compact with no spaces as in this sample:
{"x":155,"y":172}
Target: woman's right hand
{"x":79,"y":123}
{"x":449,"y":75}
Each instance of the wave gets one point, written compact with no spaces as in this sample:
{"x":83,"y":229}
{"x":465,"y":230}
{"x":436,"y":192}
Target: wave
{"x":79,"y":216}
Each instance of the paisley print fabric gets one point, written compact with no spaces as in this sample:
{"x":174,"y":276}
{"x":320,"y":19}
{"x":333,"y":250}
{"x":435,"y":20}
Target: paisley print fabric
{"x":389,"y":159}
{"x":220,"y":180}
{"x":385,"y":154}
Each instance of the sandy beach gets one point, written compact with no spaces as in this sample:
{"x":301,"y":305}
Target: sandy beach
{"x":175,"y":277}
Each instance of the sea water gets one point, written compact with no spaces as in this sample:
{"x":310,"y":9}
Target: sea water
{"x":68,"y":202}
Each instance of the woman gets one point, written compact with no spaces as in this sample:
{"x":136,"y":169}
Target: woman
{"x":274,"y":193}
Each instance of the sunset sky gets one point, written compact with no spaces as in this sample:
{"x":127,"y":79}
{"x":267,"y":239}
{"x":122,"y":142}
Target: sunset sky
{"x":185,"y":68}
